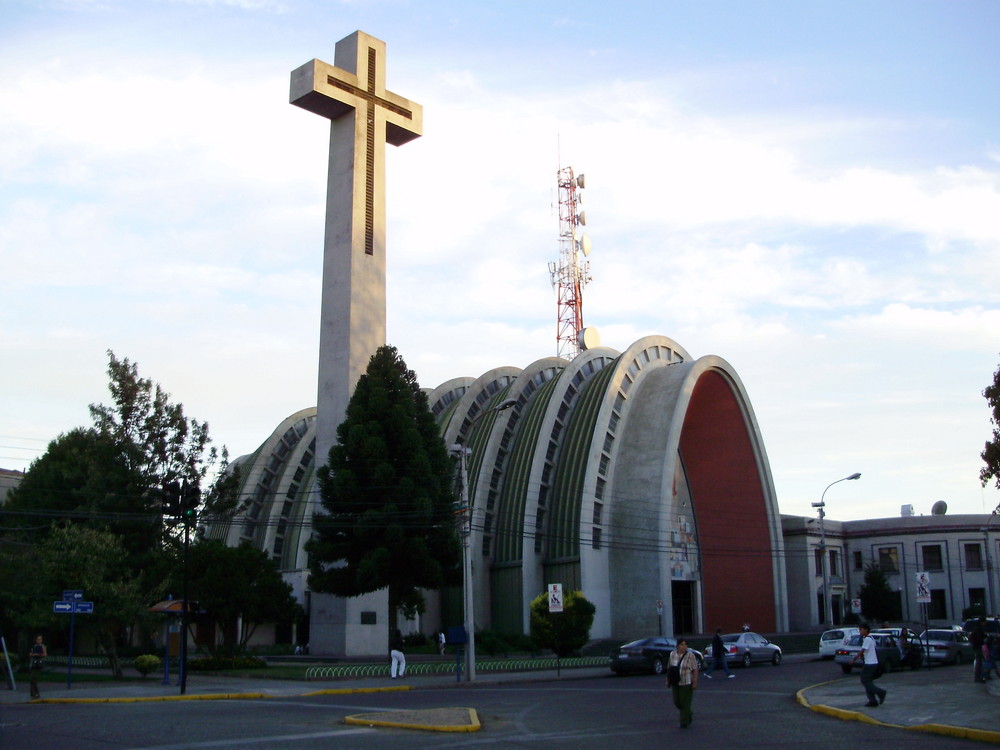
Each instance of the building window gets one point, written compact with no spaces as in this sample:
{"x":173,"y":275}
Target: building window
{"x":859,"y":561}
{"x":888,"y":559}
{"x":596,"y":539}
{"x":818,"y":556}
{"x":834,"y":562}
{"x":973,"y":557}
{"x":932,"y":557}
{"x":937,"y":609}
{"x":977,"y":598}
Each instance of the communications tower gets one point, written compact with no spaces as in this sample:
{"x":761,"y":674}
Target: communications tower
{"x":571,"y":274}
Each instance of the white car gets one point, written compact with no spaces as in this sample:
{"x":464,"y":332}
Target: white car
{"x":831,"y":640}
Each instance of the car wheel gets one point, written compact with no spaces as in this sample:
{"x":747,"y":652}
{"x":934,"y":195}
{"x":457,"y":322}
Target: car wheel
{"x":845,"y":668}
{"x":658,"y":666}
{"x":746,"y":659}
{"x":776,"y":658}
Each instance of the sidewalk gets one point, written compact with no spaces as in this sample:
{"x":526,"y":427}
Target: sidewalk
{"x":202,"y":686}
{"x":941,"y":700}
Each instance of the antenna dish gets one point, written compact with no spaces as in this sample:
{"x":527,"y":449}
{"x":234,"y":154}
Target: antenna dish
{"x":589,"y":338}
{"x":581,"y":181}
{"x":584,"y":244}
{"x":939,"y":508}
{"x":581,"y":218}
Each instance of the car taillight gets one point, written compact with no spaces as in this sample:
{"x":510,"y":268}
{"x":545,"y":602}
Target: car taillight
{"x":733,"y":650}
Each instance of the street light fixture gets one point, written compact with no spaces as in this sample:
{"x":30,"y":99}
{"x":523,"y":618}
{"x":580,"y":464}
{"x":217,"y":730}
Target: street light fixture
{"x":470,"y":616}
{"x":821,"y":510}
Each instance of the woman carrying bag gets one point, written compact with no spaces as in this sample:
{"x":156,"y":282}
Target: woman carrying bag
{"x":682,"y":677}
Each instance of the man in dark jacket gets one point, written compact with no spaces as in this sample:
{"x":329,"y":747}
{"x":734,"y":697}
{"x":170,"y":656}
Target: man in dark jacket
{"x":718,"y":656}
{"x":977,"y":638}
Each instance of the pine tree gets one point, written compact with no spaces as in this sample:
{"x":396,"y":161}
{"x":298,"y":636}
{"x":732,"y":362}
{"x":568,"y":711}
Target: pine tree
{"x":387,"y":493}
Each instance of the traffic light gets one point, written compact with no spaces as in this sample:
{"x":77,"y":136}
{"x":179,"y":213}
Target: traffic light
{"x":171,"y":499}
{"x":190,"y":500}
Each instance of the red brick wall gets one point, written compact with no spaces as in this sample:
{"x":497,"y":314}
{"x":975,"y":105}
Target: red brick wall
{"x":729,"y":508}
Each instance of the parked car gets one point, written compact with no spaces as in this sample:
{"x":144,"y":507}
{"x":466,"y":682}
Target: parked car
{"x":746,"y":648}
{"x":992,"y":625}
{"x":885,"y":646}
{"x":947,"y":646}
{"x":647,"y":655}
{"x":831,"y":640}
{"x":895,"y":632}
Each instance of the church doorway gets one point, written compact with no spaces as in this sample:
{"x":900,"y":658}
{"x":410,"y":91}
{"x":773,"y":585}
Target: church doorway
{"x":682,"y":595}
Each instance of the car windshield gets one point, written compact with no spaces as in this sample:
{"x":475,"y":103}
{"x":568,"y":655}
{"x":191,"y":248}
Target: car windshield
{"x":854,"y":641}
{"x":636,"y":644}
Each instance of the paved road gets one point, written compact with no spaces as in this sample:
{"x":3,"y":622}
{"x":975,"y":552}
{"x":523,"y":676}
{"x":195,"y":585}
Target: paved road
{"x":756,"y":709}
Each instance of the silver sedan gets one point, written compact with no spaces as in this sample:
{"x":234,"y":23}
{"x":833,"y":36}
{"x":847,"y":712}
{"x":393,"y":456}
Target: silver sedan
{"x":747,"y":648}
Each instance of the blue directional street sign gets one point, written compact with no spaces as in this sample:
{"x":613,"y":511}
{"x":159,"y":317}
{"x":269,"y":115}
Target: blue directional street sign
{"x":72,"y":595}
{"x":84,"y":608}
{"x":62,"y":607}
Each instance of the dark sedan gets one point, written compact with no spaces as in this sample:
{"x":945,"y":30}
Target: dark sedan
{"x":646,"y":655}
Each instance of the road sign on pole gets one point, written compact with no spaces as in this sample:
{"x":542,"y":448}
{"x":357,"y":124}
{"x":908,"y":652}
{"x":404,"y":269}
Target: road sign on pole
{"x":555,"y":597}
{"x":63,"y":608}
{"x":72,"y":595}
{"x":923,"y":587}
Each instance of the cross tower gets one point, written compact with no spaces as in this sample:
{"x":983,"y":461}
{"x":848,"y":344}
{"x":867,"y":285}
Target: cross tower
{"x":363,"y":117}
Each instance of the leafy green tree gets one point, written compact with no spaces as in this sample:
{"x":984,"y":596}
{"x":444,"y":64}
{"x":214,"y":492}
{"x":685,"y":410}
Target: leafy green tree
{"x":387,"y":492}
{"x":96,"y":562}
{"x":991,"y":451}
{"x":878,"y":601}
{"x":110,"y":477}
{"x":238,"y":589}
{"x":112,"y":474}
{"x":563,"y":632}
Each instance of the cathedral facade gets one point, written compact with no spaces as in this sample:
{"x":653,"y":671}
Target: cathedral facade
{"x":638,"y":477}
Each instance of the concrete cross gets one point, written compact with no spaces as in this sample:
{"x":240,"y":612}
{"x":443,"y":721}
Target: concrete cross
{"x":363,"y":117}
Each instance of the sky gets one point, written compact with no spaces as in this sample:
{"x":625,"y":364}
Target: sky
{"x":810,"y":191}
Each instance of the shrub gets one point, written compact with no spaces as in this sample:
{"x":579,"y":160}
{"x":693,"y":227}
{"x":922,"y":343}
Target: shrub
{"x":563,"y":632}
{"x":215,"y":663}
{"x":147,"y":663}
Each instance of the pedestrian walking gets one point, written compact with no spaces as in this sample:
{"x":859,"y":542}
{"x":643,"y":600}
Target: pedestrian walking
{"x":718,"y":656}
{"x":682,"y":677}
{"x":36,"y":660}
{"x":978,"y":638}
{"x":398,"y":668}
{"x":869,"y":652}
{"x":441,"y":642}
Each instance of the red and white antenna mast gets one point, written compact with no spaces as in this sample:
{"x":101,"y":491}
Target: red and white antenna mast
{"x":570,"y":275}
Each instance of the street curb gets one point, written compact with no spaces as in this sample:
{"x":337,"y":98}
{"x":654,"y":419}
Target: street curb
{"x":219,"y":696}
{"x":981,"y":735}
{"x":369,"y":720}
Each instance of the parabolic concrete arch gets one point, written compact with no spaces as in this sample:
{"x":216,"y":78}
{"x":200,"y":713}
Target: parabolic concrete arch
{"x":695,"y":516}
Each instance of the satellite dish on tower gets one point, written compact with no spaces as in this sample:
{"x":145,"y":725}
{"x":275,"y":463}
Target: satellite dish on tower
{"x":939,"y":508}
{"x":581,"y":218}
{"x":589,"y":338}
{"x":581,"y":181}
{"x":585,"y":244}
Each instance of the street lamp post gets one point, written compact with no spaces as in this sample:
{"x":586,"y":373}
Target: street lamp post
{"x":467,"y":499}
{"x":824,"y":562}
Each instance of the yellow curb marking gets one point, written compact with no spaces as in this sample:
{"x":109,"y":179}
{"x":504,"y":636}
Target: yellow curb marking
{"x":375,"y":720}
{"x":982,"y":735}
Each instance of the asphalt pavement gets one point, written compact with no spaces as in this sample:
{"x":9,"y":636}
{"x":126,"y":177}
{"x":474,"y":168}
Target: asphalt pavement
{"x":942,"y":700}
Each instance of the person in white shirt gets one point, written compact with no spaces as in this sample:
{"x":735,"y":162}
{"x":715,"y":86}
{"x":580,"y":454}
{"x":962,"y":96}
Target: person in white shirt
{"x":869,"y":652}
